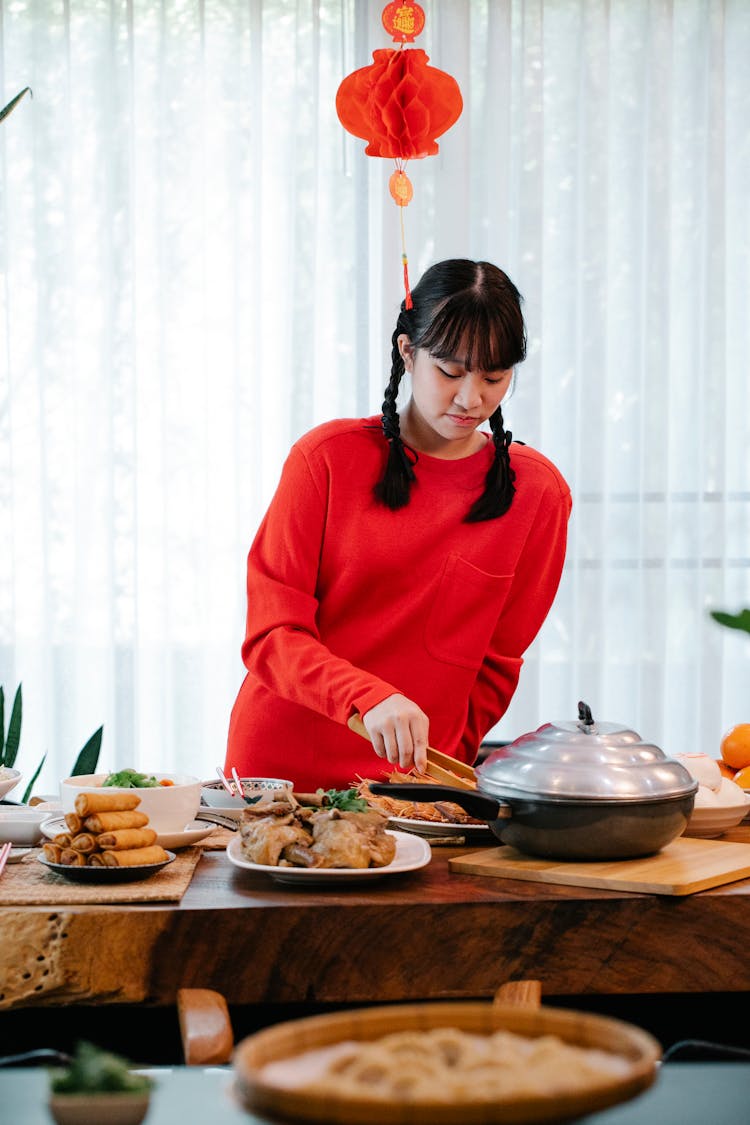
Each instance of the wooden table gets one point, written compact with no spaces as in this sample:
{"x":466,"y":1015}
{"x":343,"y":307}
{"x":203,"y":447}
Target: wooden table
{"x":423,"y":935}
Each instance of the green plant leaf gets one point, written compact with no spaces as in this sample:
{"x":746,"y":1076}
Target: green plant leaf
{"x":88,"y":758}
{"x":13,"y":740}
{"x":93,"y":1070}
{"x":739,"y":620}
{"x":12,"y":104}
{"x":2,"y":727}
{"x":30,"y":786}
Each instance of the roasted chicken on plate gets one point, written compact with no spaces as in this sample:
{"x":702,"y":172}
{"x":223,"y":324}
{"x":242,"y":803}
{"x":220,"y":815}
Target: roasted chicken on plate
{"x":290,"y":832}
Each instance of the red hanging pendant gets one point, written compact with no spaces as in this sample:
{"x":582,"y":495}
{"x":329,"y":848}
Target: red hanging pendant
{"x":403,"y":22}
{"x":399,"y":104}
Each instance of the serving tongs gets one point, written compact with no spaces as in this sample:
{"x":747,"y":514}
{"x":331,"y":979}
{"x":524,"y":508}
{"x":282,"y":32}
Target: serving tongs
{"x":440,"y":767}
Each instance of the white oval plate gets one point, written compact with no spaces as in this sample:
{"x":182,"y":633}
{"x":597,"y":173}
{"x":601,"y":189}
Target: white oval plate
{"x":438,"y":827}
{"x":412,"y":853}
{"x":196,"y":831}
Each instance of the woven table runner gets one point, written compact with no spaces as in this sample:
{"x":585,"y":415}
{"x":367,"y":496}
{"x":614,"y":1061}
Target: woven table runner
{"x":30,"y":883}
{"x":218,"y":839}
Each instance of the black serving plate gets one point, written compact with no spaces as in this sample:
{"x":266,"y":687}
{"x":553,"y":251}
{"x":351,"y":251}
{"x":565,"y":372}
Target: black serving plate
{"x":105,"y":874}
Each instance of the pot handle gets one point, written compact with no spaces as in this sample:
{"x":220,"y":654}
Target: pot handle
{"x":475,"y":804}
{"x":586,"y":719}
{"x":519,"y":994}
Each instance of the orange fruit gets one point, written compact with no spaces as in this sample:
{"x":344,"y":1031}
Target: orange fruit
{"x":742,"y":777}
{"x":735,"y":746}
{"x":726,"y":771}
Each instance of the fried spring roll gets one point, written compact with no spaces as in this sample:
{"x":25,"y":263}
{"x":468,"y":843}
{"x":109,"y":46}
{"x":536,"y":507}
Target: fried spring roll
{"x":135,"y":857}
{"x":112,"y":821}
{"x":126,"y":838}
{"x":85,"y":842}
{"x":52,"y":852}
{"x":62,"y":839}
{"x":74,"y":822}
{"x":87,"y":803}
{"x":71,"y":858}
{"x":95,"y":860}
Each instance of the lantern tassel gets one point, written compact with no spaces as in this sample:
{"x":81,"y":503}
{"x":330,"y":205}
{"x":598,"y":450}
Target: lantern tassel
{"x":408,"y":303}
{"x":405,"y":262}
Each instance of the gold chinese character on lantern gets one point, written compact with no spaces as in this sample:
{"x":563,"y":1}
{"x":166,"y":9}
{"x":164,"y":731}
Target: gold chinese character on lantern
{"x":403,"y":22}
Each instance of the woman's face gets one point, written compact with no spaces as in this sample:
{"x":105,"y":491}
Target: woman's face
{"x":448,"y":403}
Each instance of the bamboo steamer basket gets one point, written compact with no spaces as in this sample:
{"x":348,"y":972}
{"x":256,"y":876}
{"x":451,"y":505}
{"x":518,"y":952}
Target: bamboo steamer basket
{"x":516,"y":1008}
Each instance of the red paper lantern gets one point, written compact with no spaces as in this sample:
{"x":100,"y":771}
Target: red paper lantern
{"x":399,"y":104}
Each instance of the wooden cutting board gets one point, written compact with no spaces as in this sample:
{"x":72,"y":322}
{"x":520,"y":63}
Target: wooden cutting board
{"x":683,"y":867}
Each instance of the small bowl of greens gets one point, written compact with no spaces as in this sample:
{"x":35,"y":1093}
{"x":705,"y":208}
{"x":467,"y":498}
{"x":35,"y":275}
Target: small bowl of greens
{"x":98,"y":1086}
{"x":169,"y":800}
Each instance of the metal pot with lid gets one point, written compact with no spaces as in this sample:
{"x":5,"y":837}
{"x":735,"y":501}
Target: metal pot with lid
{"x":574,"y":790}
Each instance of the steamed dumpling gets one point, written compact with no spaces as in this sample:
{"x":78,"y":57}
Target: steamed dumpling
{"x":704,"y":769}
{"x":705,"y":798}
{"x":730,"y":793}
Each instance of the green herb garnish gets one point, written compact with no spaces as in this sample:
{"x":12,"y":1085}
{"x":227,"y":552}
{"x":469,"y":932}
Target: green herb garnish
{"x":95,"y":1071}
{"x":347,"y":800}
{"x":130,"y":779}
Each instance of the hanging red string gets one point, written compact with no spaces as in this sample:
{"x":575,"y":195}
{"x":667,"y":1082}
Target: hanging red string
{"x":399,"y":105}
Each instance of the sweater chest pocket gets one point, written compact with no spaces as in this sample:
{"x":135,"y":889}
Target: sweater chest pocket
{"x":464,"y":612}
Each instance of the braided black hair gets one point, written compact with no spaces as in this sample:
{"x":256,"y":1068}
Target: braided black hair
{"x":394,"y":488}
{"x":466,"y":308}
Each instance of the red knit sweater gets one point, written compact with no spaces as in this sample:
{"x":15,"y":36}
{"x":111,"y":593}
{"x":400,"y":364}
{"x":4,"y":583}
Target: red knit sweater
{"x":349,"y":602}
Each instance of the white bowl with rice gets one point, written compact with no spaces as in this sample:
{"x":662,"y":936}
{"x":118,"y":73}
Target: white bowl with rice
{"x":9,"y":779}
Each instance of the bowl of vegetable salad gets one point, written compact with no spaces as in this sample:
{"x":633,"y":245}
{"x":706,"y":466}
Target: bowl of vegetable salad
{"x":169,"y":800}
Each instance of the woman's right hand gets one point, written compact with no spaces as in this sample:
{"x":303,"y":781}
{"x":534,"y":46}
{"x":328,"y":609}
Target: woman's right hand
{"x":399,"y":731}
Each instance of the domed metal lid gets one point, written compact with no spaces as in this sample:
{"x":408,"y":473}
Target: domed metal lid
{"x":583,"y":760}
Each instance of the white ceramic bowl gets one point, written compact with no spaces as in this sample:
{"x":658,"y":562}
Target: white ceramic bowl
{"x":257,"y":790}
{"x":21,"y":825}
{"x":9,"y":779}
{"x":711,"y":821}
{"x":169,"y":808}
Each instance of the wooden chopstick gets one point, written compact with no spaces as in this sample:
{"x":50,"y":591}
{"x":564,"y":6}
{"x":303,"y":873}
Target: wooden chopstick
{"x":441,"y":767}
{"x":447,"y":777}
{"x":452,"y":764}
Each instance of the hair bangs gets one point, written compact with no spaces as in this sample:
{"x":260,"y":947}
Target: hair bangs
{"x":479,"y":337}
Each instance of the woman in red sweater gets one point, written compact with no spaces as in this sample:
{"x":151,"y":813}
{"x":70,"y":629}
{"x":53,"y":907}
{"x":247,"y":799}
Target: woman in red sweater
{"x":405,"y":562}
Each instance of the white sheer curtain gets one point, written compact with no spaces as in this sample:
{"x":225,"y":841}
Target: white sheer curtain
{"x":197,"y":264}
